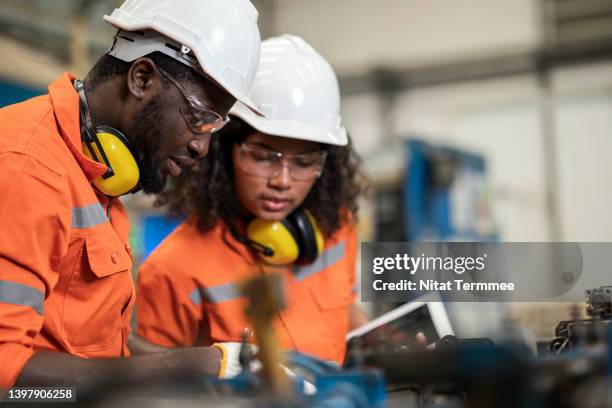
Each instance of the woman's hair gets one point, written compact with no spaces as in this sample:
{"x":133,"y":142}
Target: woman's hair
{"x":206,"y":191}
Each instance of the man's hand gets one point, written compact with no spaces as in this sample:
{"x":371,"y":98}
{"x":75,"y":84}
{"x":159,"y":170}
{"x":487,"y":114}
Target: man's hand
{"x":231,"y":364}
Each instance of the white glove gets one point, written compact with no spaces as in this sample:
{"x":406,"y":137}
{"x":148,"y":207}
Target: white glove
{"x":230,"y":358}
{"x":230,"y":364}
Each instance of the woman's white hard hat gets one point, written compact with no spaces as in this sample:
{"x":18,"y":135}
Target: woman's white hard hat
{"x":297,"y":91}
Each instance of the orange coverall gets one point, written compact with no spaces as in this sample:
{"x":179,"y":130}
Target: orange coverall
{"x":187,"y":293}
{"x":65,"y":282}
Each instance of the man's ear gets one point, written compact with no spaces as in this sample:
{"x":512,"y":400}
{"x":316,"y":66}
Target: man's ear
{"x":143,"y":78}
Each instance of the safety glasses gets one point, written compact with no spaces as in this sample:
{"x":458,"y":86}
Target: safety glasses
{"x":199,"y":118}
{"x":262,"y":162}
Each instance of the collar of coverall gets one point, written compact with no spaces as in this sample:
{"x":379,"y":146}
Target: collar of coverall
{"x":65,"y":101}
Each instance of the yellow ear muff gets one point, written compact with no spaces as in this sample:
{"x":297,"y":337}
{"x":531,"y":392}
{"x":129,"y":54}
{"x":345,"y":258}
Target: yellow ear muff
{"x":274,"y":235}
{"x":125,"y":173}
{"x":290,"y":240}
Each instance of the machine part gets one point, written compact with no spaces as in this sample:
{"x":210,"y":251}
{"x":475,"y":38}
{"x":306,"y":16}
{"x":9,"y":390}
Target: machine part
{"x":599,"y":302}
{"x":246,"y":353}
{"x":265,"y":299}
{"x":450,"y":341}
{"x":586,"y":333}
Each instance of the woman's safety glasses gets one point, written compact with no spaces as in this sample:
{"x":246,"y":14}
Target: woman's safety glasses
{"x":199,"y":118}
{"x":262,"y":162}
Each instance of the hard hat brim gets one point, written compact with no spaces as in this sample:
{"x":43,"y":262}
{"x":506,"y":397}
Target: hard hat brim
{"x":291,"y":129}
{"x":246,"y":101}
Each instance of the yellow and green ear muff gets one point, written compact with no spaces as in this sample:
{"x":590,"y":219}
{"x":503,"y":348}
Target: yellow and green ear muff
{"x":112,"y":149}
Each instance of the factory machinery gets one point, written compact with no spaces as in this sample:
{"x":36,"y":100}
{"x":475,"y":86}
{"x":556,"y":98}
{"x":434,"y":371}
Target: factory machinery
{"x":572,"y":370}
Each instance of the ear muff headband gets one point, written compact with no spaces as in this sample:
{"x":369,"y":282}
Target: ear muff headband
{"x":110,"y":147}
{"x":305,"y":235}
{"x":295,"y":233}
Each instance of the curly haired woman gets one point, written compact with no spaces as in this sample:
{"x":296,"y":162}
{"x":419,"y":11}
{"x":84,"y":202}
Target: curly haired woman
{"x":277,"y":194}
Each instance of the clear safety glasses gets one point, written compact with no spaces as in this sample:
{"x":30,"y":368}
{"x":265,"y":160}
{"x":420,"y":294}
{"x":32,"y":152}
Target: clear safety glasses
{"x":199,"y":118}
{"x":262,"y":162}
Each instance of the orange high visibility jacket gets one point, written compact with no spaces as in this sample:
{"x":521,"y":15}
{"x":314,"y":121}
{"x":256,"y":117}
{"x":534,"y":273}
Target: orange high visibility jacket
{"x":187,"y":293}
{"x":65,"y":282}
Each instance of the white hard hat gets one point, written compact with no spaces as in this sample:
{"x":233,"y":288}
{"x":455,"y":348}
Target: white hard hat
{"x":218,"y":38}
{"x":297,"y":91}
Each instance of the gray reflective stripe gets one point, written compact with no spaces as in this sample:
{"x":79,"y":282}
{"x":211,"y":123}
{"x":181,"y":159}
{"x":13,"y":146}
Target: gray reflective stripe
{"x":355,"y":289}
{"x":88,"y":216}
{"x":215,"y":294}
{"x":196,"y":296}
{"x":229,"y":291}
{"x":22,"y":295}
{"x":327,"y":258}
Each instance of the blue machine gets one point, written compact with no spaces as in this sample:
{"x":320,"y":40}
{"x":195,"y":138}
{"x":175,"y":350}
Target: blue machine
{"x":444,"y":195}
{"x":154,"y":229}
{"x":335,"y":387}
{"x":11,"y":92}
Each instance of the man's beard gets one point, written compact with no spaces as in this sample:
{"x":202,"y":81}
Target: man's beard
{"x":145,"y":137}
